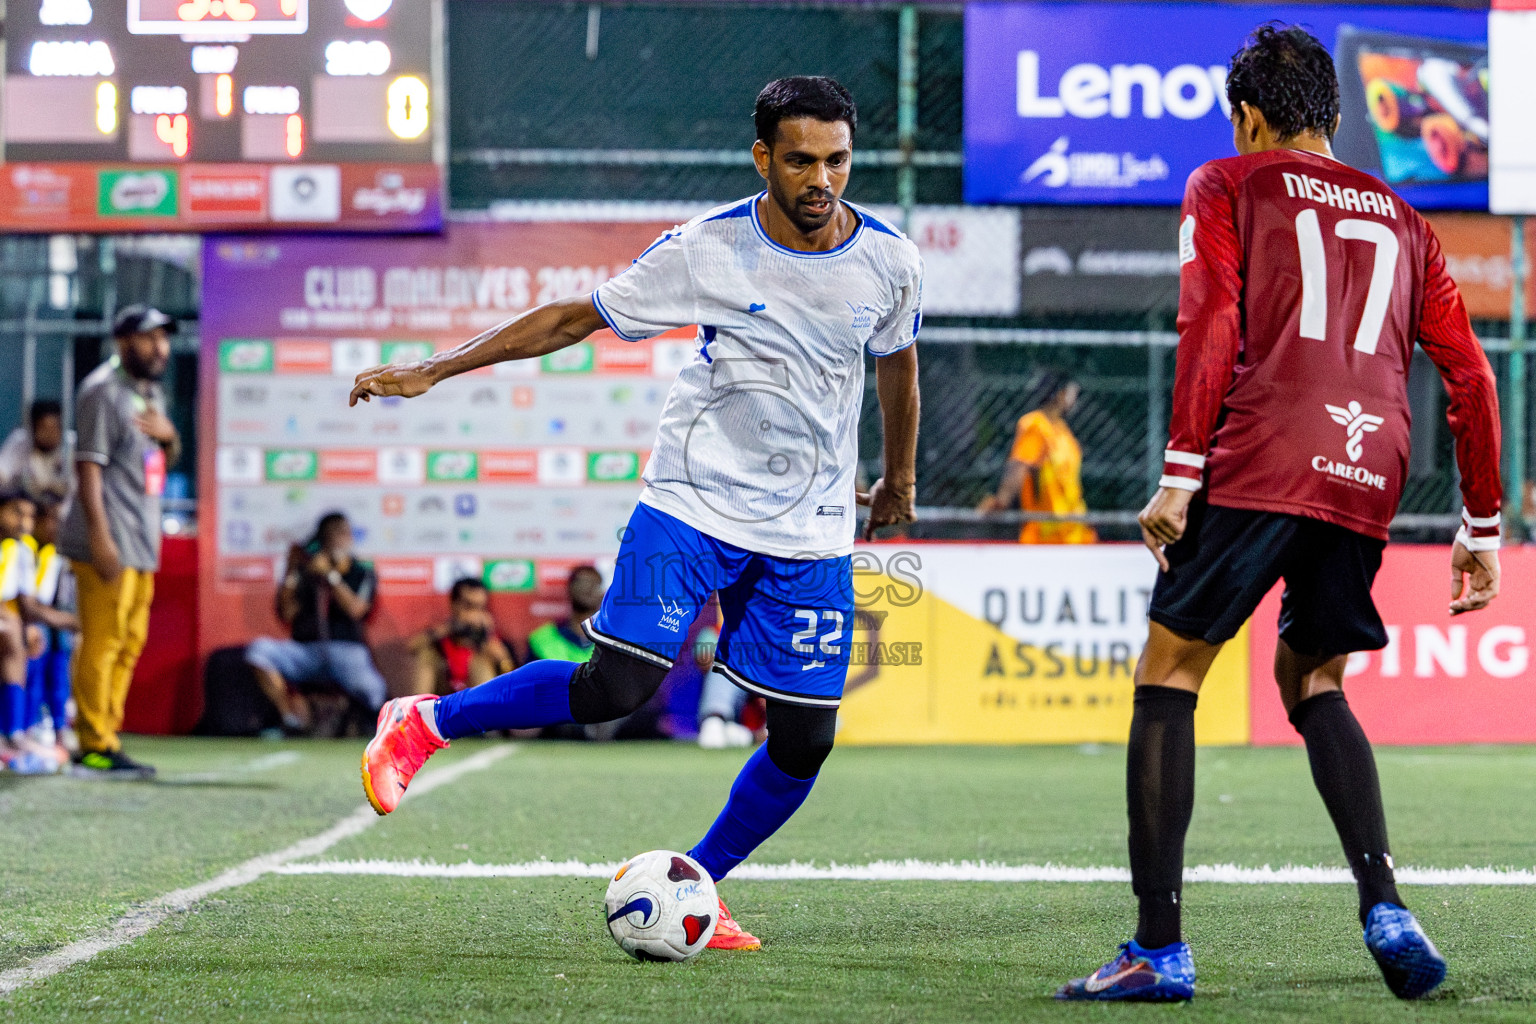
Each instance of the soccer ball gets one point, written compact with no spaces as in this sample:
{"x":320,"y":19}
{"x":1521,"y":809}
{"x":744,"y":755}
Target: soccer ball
{"x":662,"y":906}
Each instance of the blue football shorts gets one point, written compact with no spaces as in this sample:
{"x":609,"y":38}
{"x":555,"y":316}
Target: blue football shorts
{"x":787,"y":621}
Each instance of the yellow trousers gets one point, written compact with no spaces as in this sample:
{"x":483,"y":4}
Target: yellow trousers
{"x":114,"y":623}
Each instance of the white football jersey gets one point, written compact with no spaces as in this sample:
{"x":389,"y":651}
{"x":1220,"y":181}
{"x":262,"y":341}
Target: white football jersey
{"x":758,"y":441}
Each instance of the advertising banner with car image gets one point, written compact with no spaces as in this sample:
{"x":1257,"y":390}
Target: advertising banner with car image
{"x":511,"y":474}
{"x":1118,"y":103}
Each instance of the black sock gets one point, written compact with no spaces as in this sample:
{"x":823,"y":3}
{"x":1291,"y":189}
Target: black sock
{"x":1160,"y":796}
{"x":1344,"y":770}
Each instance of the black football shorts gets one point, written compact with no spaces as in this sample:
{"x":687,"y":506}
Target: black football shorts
{"x":1229,"y":558}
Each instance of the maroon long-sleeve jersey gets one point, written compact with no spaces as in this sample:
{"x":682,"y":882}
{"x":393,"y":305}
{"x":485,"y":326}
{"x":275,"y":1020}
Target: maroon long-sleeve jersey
{"x":1303,"y":287}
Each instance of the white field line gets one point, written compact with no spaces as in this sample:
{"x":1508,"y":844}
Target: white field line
{"x":264,"y":763}
{"x":146,"y":916}
{"x":917,"y":871}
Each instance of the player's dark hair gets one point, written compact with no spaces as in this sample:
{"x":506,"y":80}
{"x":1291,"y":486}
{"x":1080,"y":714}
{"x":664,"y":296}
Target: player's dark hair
{"x":42,"y":409}
{"x":12,"y":495}
{"x":1288,"y":75}
{"x":461,"y":585}
{"x":817,"y":96}
{"x":327,"y":523}
{"x":1053,"y":383}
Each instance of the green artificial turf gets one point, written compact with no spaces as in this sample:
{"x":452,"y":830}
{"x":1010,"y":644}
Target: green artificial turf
{"x":373,"y":949}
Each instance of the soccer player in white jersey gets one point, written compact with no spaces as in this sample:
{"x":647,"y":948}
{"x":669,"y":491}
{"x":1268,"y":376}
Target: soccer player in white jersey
{"x":749,"y":491}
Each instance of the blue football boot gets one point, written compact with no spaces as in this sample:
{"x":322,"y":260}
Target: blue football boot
{"x":1164,"y":975}
{"x":1410,"y":963}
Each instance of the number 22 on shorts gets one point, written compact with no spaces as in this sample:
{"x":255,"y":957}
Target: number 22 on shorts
{"x":823,"y":648}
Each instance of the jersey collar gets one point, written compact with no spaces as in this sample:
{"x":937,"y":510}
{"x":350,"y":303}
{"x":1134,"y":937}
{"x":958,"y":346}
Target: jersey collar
{"x":846,"y":244}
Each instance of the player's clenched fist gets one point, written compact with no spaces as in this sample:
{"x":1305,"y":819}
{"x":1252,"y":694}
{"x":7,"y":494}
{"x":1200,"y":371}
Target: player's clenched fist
{"x":889,"y":505}
{"x":406,"y":380}
{"x":1163,"y":520}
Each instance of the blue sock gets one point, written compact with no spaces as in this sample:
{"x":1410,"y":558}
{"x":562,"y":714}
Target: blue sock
{"x":761,"y":801}
{"x":536,"y":695}
{"x":56,"y":685}
{"x":35,"y":684}
{"x":13,"y":710}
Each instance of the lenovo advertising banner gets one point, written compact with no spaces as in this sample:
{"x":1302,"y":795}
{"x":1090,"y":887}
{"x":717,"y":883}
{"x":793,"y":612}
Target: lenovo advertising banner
{"x":1118,"y":103}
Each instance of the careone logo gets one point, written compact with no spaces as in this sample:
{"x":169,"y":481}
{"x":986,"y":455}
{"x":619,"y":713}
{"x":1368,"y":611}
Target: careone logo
{"x":1356,"y":423}
{"x":1057,"y":167}
{"x":1185,"y":91}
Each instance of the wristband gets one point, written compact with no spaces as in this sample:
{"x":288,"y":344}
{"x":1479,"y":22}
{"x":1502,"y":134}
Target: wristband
{"x":333,"y":578}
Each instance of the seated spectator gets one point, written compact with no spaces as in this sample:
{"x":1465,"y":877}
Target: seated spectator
{"x":564,"y":639}
{"x":20,"y":637}
{"x":465,"y":651}
{"x":37,"y":458}
{"x":48,"y":675}
{"x":324,"y":599}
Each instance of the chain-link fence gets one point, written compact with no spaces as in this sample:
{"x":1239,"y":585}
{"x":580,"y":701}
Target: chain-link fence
{"x":650,"y":104}
{"x":975,"y":392}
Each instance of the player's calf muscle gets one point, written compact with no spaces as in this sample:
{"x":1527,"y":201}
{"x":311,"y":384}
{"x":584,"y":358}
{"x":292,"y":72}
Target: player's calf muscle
{"x":612,"y":685}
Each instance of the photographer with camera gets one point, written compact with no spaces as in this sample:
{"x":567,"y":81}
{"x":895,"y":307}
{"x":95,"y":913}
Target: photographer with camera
{"x":325,"y":596}
{"x":465,"y":651}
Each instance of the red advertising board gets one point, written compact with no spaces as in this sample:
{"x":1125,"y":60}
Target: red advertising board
{"x":56,"y":197}
{"x":1478,"y":249}
{"x":1440,"y":679}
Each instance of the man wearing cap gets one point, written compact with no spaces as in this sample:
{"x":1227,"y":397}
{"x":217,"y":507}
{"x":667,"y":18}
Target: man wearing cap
{"x":112,"y":534}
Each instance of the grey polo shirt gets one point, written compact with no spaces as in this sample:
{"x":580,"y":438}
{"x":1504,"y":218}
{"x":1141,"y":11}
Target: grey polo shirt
{"x":132,"y":465}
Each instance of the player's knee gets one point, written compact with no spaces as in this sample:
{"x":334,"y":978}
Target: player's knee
{"x":612,"y":685}
{"x":800,"y":738}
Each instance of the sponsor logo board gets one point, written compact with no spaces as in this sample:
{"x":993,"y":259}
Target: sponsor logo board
{"x":1119,"y":102}
{"x":136,"y":193}
{"x":306,"y":193}
{"x":225,"y":193}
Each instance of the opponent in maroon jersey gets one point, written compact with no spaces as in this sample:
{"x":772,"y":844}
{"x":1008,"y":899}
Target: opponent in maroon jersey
{"x":1304,"y":286}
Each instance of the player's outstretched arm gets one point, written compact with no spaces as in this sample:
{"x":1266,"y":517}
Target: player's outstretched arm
{"x":1473,"y":415}
{"x":893,"y":498}
{"x":549,"y":328}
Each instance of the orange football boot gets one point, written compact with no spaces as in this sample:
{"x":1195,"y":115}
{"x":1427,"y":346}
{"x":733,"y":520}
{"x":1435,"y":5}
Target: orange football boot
{"x":730,"y":935}
{"x":397,"y":751}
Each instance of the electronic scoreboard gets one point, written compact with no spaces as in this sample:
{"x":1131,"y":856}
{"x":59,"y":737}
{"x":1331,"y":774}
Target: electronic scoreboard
{"x":196,"y":114}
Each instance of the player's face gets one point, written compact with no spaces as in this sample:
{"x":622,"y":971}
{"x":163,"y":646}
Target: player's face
{"x":807,"y":169}
{"x":472,"y":606}
{"x":48,"y":434}
{"x":146,"y":354}
{"x":15,"y":519}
